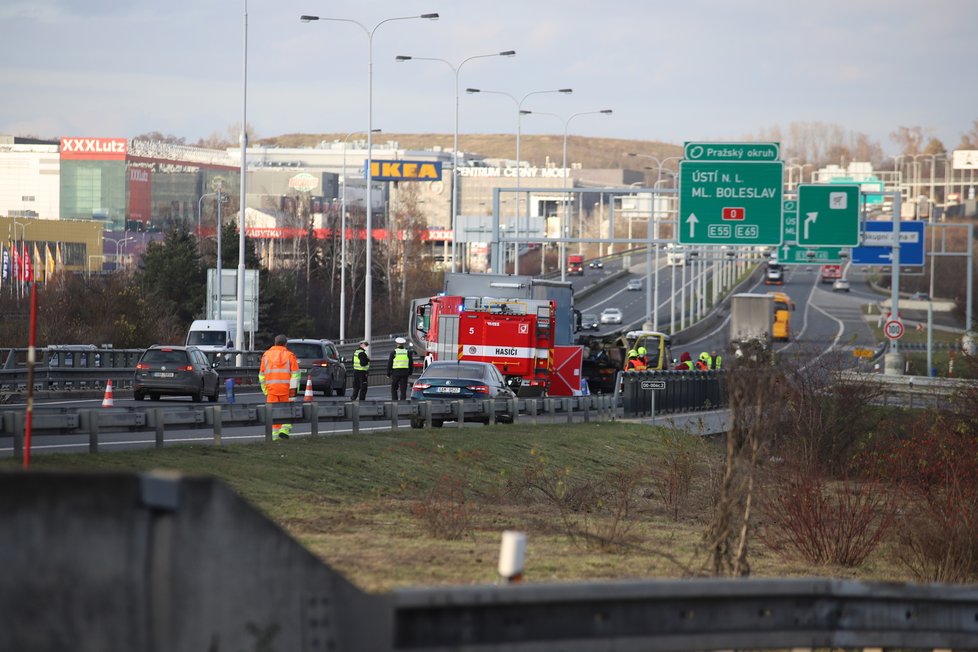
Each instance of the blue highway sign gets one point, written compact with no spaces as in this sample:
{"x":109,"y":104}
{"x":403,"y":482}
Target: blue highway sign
{"x":878,"y":240}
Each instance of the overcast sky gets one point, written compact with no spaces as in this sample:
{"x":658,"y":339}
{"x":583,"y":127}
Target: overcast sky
{"x":671,"y":70}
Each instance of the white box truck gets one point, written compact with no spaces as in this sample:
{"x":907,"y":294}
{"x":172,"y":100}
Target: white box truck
{"x":750,"y":319}
{"x":212,"y":335}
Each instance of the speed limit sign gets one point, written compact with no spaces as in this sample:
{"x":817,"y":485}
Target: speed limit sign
{"x":893,"y":329}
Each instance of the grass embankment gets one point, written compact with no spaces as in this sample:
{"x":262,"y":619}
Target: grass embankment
{"x":382,"y":508}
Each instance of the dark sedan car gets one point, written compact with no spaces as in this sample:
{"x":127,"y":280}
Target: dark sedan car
{"x":463,"y":379}
{"x":175,"y":371}
{"x":319,"y":360}
{"x":589,"y":322}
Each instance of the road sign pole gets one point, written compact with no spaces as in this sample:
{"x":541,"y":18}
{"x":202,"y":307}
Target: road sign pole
{"x":893,"y":361}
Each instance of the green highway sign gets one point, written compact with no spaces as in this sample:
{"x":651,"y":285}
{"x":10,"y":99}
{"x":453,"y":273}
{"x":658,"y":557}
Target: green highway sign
{"x":789,"y":211}
{"x":731,"y":152}
{"x":828,"y":215}
{"x":730,"y":202}
{"x":790,"y":254}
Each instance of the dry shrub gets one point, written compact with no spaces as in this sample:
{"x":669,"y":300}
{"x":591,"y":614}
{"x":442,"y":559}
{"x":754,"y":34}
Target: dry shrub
{"x":673,"y":475}
{"x":594,"y":512}
{"x":824,"y":522}
{"x":444,"y":510}
{"x":933,"y":459}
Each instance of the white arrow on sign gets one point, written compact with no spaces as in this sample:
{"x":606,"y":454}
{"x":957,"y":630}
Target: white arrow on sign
{"x":692,"y":221}
{"x":808,"y":221}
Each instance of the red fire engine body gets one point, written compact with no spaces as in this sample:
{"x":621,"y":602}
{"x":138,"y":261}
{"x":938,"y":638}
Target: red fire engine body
{"x":515,"y":335}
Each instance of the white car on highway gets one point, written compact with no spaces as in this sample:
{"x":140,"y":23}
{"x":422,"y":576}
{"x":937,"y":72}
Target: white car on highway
{"x":611,"y":316}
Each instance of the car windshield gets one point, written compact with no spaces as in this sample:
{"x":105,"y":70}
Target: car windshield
{"x":165,"y":356}
{"x":306,"y":349}
{"x":611,"y":311}
{"x":207,"y":338}
{"x":589,"y":317}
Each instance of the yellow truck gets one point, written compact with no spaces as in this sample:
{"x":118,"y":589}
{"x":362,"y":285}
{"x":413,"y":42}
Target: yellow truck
{"x":783,"y":307}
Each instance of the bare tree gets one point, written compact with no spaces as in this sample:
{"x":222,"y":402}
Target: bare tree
{"x":909,"y":139}
{"x":753,"y":392}
{"x":969,"y":139}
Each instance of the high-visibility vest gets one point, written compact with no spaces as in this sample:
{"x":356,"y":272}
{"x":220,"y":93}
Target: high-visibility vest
{"x":706,"y":359}
{"x":357,"y":365}
{"x":717,"y":361}
{"x":278,"y":367}
{"x":401,"y":359}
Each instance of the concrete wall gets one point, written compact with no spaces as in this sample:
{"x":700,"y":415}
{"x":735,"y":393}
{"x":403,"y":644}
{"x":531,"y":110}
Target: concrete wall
{"x":117,"y":563}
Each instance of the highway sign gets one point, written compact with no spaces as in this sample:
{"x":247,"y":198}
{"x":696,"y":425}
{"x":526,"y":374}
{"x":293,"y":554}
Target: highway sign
{"x":893,"y":329}
{"x":731,"y":152}
{"x":790,"y":254}
{"x":653,"y":384}
{"x":789,"y":212}
{"x":828,"y":215}
{"x":724,"y":202}
{"x":878,"y":240}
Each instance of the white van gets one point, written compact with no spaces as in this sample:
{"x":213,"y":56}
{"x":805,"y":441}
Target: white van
{"x":212,"y":334}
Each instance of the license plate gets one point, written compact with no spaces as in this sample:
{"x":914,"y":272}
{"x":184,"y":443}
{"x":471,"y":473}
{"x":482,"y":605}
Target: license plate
{"x":450,"y":390}
{"x":162,"y":374}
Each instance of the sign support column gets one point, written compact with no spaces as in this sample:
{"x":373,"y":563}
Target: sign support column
{"x":893,"y":360}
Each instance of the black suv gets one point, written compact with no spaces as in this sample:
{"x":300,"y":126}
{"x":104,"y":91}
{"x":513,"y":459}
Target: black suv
{"x":175,"y":371}
{"x":319,"y":360}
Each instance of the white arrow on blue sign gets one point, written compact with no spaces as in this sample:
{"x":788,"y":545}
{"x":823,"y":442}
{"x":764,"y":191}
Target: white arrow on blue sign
{"x":911,"y":244}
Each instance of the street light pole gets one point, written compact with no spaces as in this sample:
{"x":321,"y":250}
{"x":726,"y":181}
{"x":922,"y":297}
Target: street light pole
{"x":652,"y":294}
{"x":242,"y":199}
{"x":519,"y":122}
{"x":566,"y":123}
{"x":369,"y":32}
{"x":456,"y":69}
{"x":343,"y":240}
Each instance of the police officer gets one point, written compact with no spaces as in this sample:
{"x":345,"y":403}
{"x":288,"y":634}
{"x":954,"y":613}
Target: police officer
{"x":361,"y":367}
{"x":399,"y":367}
{"x":717,"y":360}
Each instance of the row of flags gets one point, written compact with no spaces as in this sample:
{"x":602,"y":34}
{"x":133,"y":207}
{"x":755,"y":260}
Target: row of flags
{"x":19,"y":266}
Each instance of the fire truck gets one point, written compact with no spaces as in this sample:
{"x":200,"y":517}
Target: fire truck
{"x":515,"y":335}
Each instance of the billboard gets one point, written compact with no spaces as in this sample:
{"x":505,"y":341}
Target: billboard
{"x":94,"y":149}
{"x":405,"y":170}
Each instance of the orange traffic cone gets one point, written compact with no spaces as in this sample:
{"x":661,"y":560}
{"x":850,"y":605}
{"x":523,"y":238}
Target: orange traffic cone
{"x":107,"y":399}
{"x":308,"y":395}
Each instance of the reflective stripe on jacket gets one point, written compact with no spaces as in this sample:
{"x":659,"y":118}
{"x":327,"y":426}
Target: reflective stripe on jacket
{"x":278,"y":367}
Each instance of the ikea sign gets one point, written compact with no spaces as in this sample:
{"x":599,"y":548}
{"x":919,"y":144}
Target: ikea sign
{"x":405,"y":170}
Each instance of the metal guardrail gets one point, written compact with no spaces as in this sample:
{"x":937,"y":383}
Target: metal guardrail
{"x":647,"y":393}
{"x":96,"y":421}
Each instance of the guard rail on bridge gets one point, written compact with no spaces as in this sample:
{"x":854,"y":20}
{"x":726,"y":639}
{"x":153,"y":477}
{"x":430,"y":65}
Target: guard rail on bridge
{"x":92,"y":423}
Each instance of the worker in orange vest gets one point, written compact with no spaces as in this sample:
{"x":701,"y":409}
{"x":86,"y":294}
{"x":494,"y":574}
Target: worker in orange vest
{"x":278,"y":376}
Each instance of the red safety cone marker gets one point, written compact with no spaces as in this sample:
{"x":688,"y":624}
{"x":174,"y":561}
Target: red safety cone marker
{"x":308,"y":395}
{"x":107,"y":399}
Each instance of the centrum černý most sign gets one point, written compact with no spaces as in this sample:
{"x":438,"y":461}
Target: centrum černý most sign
{"x":730,"y":194}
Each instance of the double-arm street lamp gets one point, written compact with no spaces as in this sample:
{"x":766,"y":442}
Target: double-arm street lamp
{"x":343,"y":239}
{"x":519,"y":115}
{"x":369,"y":32}
{"x":566,"y":123}
{"x":456,"y":68}
{"x":118,"y":247}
